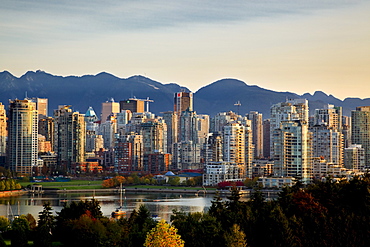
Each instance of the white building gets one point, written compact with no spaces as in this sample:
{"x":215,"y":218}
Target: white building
{"x":216,"y":172}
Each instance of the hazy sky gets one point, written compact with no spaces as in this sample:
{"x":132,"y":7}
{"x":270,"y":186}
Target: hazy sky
{"x":284,"y":45}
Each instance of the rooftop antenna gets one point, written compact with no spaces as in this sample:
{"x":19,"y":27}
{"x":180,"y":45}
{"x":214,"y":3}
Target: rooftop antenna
{"x":238,"y":104}
{"x":26,"y":95}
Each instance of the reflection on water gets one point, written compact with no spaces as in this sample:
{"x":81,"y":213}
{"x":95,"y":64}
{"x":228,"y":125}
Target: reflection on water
{"x":158,"y":204}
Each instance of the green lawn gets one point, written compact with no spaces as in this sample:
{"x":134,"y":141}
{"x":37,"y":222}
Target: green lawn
{"x":71,"y":185}
{"x":83,"y":184}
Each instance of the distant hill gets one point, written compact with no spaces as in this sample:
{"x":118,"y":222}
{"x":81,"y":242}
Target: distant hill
{"x":92,"y":90}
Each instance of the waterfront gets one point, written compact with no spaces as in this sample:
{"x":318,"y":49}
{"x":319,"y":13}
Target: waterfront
{"x":161,"y":204}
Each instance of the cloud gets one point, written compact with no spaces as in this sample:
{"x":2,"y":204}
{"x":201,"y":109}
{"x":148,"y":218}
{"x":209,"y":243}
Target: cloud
{"x":82,"y":16}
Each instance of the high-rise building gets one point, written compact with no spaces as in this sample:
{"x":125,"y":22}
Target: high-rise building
{"x":107,"y":130}
{"x":354,"y":158}
{"x":266,"y":138}
{"x":330,"y":115}
{"x":107,"y":108}
{"x":94,"y":142}
{"x":132,"y":104}
{"x":221,"y":119}
{"x":128,"y":153}
{"x":91,"y":120}
{"x":47,"y":129}
{"x":70,"y":136}
{"x":22,"y":140}
{"x":188,"y":126}
{"x":183,"y":101}
{"x":41,"y":106}
{"x":186,"y":155}
{"x":158,"y":163}
{"x":154,"y":134}
{"x":257,"y":130}
{"x":293,"y":109}
{"x":327,"y":143}
{"x":213,"y":148}
{"x":171,"y":121}
{"x":3,"y":130}
{"x":347,"y":131}
{"x":203,"y":128}
{"x":361,"y":130}
{"x":292,"y":150}
{"x":233,"y":143}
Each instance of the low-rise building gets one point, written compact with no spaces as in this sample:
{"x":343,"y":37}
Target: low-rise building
{"x":216,"y":172}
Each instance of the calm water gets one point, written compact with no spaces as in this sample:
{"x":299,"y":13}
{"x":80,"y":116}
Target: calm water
{"x":158,"y":204}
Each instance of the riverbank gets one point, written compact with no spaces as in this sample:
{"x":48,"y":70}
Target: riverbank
{"x":9,"y":193}
{"x":187,"y":190}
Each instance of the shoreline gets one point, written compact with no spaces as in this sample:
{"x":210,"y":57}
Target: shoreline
{"x":158,"y":190}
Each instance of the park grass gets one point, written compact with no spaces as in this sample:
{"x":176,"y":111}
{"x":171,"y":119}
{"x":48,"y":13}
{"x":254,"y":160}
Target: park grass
{"x":70,"y":185}
{"x":86,"y":184}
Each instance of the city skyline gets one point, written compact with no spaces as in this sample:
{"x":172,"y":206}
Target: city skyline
{"x":286,"y":46}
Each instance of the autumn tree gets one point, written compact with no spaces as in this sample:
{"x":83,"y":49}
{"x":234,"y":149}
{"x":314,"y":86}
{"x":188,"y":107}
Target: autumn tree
{"x":163,"y":235}
{"x":235,"y":237}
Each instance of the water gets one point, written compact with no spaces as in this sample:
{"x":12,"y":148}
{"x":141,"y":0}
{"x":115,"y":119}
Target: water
{"x":157,"y":203}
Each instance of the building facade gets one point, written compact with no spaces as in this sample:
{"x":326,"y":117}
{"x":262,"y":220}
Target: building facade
{"x":22,"y":145}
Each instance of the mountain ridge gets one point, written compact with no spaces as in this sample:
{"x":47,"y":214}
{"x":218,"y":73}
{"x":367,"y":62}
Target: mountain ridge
{"x":92,"y":90}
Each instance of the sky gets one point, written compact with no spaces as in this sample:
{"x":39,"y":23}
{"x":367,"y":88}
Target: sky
{"x":284,"y":45}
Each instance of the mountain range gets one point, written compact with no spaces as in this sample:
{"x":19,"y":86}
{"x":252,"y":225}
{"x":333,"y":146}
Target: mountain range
{"x":91,"y":90}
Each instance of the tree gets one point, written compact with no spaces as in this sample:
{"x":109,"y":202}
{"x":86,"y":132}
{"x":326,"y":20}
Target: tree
{"x":236,"y":237}
{"x":45,"y":227}
{"x":163,"y":235}
{"x":31,"y":221}
{"x":4,"y":223}
{"x":174,"y":181}
{"x":73,"y":212}
{"x":140,"y":224}
{"x":20,"y":230}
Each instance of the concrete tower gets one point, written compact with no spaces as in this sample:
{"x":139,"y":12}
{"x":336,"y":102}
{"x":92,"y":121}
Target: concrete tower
{"x":361,"y":130}
{"x":70,"y":136}
{"x":22,"y":140}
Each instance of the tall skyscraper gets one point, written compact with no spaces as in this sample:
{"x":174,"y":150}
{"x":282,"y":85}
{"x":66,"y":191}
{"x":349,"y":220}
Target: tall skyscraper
{"x":46,"y":128}
{"x":188,"y":126}
{"x":91,"y":120}
{"x":257,"y":130}
{"x":234,"y":143}
{"x":3,"y":130}
{"x":107,"y":130}
{"x":182,"y":102}
{"x":107,"y":108}
{"x":361,"y":130}
{"x":154,"y":134}
{"x":70,"y":136}
{"x":213,"y":148}
{"x":327,"y":143}
{"x":354,"y":158}
{"x":330,"y":115}
{"x":133,"y":105}
{"x":292,"y":150}
{"x":171,"y":121}
{"x":128,"y":152}
{"x":293,"y":109}
{"x":22,"y":140}
{"x":266,"y":138}
{"x":41,"y":106}
{"x":203,"y":128}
